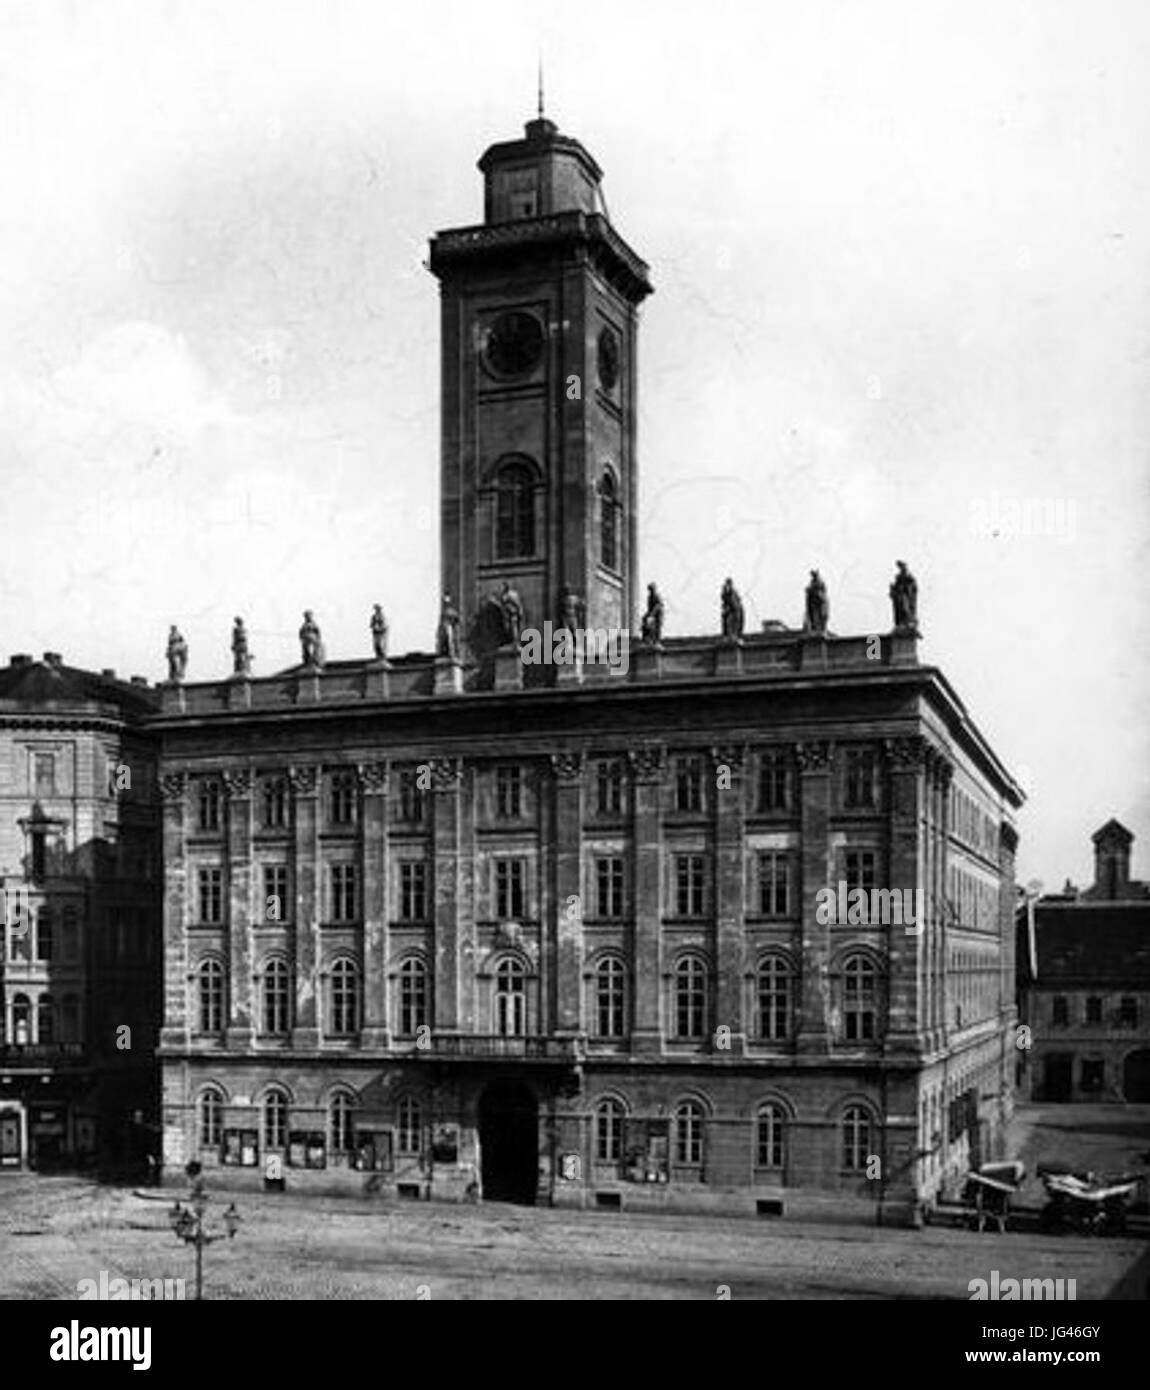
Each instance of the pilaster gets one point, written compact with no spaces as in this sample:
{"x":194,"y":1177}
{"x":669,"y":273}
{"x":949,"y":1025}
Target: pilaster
{"x":730,"y":924}
{"x":814,"y":1031}
{"x":906,"y":760}
{"x":374,"y":876}
{"x":175,"y":1031}
{"x":567,"y":771}
{"x":647,"y":765}
{"x":304,"y":781}
{"x":446,"y":783}
{"x":238,"y":789}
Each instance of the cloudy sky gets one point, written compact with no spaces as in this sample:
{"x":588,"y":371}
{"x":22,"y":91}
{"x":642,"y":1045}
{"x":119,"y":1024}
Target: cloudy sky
{"x":902,"y":262}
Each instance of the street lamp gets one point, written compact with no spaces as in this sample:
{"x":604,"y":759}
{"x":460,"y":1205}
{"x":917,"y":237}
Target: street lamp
{"x":188,"y":1225}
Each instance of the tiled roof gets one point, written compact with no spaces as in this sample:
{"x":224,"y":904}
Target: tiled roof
{"x":1094,"y":942}
{"x":35,"y":685}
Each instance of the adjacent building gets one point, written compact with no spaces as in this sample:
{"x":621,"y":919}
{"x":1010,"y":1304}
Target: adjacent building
{"x":458,"y":924}
{"x":80,"y":909}
{"x":1084,"y":983}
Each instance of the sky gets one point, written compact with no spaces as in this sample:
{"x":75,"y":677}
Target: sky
{"x":901,"y":252}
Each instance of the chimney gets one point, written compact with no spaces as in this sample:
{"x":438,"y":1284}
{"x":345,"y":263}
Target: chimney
{"x":53,"y":659}
{"x":140,"y":680}
{"x":20,"y":659}
{"x":109,"y":673}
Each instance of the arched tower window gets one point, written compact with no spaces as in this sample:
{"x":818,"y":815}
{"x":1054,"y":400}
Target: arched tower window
{"x":609,"y":521}
{"x":514,"y":511}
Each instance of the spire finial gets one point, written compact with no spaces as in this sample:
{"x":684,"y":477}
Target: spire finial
{"x":540,"y":101}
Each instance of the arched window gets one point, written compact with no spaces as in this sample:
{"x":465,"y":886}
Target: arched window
{"x":510,"y":999}
{"x":211,"y":996}
{"x":608,"y":521}
{"x":609,"y":1130}
{"x":689,"y":1133}
{"x":856,"y":1138}
{"x":769,"y":1136}
{"x":860,"y":1010}
{"x":45,"y":934}
{"x":409,"y":1125}
{"x":21,"y":1020}
{"x":46,"y":1019}
{"x":275,"y":1119}
{"x":211,"y":1118}
{"x":344,"y":998}
{"x":610,"y":998}
{"x":70,"y":1019}
{"x":774,"y":998}
{"x":412,"y":997}
{"x":690,"y":998}
{"x":277,"y":997}
{"x":514,"y":511}
{"x":341,"y":1125}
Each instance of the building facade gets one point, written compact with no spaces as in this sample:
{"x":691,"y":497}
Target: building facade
{"x":586,"y":933}
{"x":80,"y":904}
{"x":1084,"y":983}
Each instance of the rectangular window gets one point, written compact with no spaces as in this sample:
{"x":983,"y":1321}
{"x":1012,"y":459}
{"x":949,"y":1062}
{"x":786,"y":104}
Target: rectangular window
{"x":211,"y":893}
{"x":859,"y":869}
{"x":276,"y":904}
{"x":774,"y":884}
{"x":609,"y":886}
{"x":412,"y":800}
{"x":508,"y":788}
{"x":1059,"y":1011}
{"x":413,"y":891}
{"x":860,"y":779}
{"x":342,"y":798}
{"x":274,"y":804}
{"x":344,"y":893}
{"x":39,"y":855}
{"x":209,"y":806}
{"x":1093,"y":1009}
{"x":609,"y":787}
{"x":689,"y":785}
{"x":509,"y":877}
{"x":1128,"y":1012}
{"x":44,"y":774}
{"x":690,"y":871}
{"x":774,"y":783}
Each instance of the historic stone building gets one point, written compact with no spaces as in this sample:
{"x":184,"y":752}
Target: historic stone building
{"x":579,"y":931}
{"x":80,"y":908}
{"x":1084,"y":983}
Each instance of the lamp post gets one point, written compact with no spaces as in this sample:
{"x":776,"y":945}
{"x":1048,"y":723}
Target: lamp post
{"x":188,"y":1225}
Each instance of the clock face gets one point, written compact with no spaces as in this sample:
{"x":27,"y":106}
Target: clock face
{"x":513,"y":345}
{"x":608,"y":360}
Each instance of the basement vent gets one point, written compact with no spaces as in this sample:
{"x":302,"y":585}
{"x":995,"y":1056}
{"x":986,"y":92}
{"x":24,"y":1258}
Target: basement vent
{"x":612,"y":1201}
{"x":767,"y":1206}
{"x":410,"y":1190}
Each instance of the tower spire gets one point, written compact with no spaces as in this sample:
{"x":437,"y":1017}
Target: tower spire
{"x":540,"y":93}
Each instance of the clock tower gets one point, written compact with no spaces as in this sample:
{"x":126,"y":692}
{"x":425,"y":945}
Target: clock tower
{"x":539,"y":330}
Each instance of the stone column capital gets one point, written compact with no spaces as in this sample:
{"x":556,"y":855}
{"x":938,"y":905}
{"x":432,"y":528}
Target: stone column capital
{"x":304,"y":779}
{"x":567,"y":767}
{"x":814,"y":756}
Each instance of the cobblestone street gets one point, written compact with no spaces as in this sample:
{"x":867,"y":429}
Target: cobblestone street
{"x":57,"y":1231}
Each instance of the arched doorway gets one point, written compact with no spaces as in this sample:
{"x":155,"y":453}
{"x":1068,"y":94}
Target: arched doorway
{"x":1136,"y":1077}
{"x":509,"y":1142}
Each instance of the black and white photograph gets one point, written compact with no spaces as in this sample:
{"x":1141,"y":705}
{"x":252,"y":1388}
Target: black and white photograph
{"x":574,"y":661}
